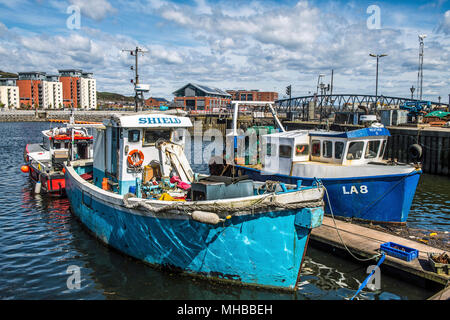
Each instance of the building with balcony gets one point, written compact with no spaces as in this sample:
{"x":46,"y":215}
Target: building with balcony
{"x":88,"y":91}
{"x":30,"y":89}
{"x":52,"y":93}
{"x":9,"y":93}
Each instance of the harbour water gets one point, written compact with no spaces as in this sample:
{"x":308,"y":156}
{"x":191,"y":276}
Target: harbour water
{"x":40,"y":239}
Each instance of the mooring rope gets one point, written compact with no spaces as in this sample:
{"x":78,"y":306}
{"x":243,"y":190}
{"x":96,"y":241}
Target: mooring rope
{"x":216,"y":207}
{"x":339,"y":234}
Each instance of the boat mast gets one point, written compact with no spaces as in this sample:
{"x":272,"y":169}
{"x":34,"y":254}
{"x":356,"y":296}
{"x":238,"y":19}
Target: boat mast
{"x":138,"y":94}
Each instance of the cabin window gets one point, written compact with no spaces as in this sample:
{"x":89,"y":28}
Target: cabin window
{"x":151,"y":136}
{"x":46,"y":143}
{"x":271,"y":149}
{"x":372,"y":149}
{"x":355,"y":150}
{"x":301,"y":150}
{"x":315,"y":151}
{"x":133,"y":135}
{"x":327,"y":149}
{"x":285,"y":151}
{"x":338,"y":149}
{"x":56,"y":145}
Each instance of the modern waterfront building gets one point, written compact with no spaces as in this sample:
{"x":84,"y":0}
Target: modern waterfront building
{"x":196,"y":97}
{"x":70,"y":79}
{"x":88,"y":91}
{"x":30,"y":89}
{"x":52,"y":93}
{"x":9,"y":93}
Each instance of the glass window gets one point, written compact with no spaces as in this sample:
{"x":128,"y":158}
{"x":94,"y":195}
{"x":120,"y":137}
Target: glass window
{"x":133,"y":135}
{"x":355,"y":150}
{"x":327,"y":149}
{"x":56,"y":145}
{"x":338,"y":149}
{"x":271,"y":149}
{"x":301,"y":150}
{"x":151,"y":136}
{"x":315,"y":151}
{"x":372,"y":149}
{"x":285,"y":151}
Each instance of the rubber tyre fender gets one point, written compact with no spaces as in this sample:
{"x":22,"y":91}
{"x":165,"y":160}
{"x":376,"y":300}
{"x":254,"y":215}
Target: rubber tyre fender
{"x":415,"y":151}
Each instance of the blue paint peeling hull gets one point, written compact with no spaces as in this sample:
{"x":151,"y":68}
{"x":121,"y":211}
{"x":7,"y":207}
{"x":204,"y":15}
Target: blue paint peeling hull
{"x":263,"y":250}
{"x":388,"y":199}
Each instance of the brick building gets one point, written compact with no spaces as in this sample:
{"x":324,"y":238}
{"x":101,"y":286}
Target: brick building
{"x":155,"y":102}
{"x":30,"y":89}
{"x":70,"y":79}
{"x":253,"y":95}
{"x":196,"y":97}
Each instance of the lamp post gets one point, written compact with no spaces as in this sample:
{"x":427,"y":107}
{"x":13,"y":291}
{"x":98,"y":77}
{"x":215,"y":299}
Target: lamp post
{"x":378,"y":56}
{"x":412,"y":89}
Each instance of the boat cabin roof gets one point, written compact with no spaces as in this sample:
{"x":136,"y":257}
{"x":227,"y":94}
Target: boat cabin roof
{"x":360,"y":133}
{"x":151,"y":120}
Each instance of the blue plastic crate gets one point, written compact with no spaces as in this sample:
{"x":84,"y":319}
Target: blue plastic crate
{"x":399,"y":251}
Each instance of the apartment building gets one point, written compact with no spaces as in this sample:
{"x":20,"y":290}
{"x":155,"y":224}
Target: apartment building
{"x":30,"y":89}
{"x":70,"y":79}
{"x":9,"y":93}
{"x":52,"y":93}
{"x":88,"y":91}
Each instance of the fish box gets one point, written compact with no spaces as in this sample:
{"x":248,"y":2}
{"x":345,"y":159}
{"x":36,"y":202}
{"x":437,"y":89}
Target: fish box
{"x":439,"y":268}
{"x":399,"y":251}
{"x":211,"y":190}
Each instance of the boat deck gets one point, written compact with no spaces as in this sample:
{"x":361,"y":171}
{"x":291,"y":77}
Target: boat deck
{"x":365,"y":242}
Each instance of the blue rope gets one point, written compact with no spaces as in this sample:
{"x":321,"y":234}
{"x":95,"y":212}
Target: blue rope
{"x":368,"y":278}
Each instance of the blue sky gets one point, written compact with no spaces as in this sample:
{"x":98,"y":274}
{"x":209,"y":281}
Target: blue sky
{"x":233,"y":44}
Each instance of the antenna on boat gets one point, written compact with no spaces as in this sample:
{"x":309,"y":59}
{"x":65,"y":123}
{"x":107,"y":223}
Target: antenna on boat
{"x":138,"y":92}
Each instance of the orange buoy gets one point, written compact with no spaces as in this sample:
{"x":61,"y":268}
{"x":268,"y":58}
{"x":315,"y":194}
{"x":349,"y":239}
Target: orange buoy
{"x":24,"y":169}
{"x":64,"y":170}
{"x":105,"y":184}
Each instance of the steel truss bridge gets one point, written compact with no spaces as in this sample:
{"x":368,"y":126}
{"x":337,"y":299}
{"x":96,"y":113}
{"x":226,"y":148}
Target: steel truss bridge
{"x":324,"y":105}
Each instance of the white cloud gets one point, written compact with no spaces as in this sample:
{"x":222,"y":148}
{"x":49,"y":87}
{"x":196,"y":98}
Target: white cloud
{"x":445,"y":24}
{"x":94,"y":9}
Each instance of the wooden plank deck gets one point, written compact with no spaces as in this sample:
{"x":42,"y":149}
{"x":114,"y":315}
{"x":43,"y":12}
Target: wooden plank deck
{"x":365,"y":242}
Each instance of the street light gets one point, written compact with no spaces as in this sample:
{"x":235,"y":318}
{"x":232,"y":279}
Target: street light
{"x":378,"y":56}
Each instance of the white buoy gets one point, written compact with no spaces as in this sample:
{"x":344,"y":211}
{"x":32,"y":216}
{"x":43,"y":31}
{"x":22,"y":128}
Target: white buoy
{"x":37,"y":187}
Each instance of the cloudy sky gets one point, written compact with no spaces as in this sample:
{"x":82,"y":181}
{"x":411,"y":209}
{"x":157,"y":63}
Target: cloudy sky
{"x":233,"y":44}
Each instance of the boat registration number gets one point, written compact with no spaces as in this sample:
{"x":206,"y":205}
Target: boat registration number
{"x":355,"y":189}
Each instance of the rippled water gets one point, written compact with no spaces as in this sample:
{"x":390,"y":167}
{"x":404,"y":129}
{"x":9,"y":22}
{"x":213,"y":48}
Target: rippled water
{"x":40,"y":239}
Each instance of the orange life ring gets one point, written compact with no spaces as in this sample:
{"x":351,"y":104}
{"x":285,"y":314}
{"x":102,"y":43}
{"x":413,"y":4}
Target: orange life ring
{"x":135,"y":158}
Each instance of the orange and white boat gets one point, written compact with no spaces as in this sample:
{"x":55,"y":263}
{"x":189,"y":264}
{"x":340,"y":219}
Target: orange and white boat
{"x":44,"y":161}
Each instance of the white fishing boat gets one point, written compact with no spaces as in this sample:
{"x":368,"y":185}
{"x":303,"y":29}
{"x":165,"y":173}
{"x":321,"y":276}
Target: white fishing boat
{"x":145,"y":201}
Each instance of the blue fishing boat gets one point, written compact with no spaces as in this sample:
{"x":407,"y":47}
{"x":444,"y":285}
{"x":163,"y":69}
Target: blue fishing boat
{"x":360,"y":184}
{"x":145,"y":201}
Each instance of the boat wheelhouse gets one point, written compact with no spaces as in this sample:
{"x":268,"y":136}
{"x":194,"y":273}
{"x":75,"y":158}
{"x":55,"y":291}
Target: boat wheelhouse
{"x":44,"y":161}
{"x":360,"y":184}
{"x":145,"y":201}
